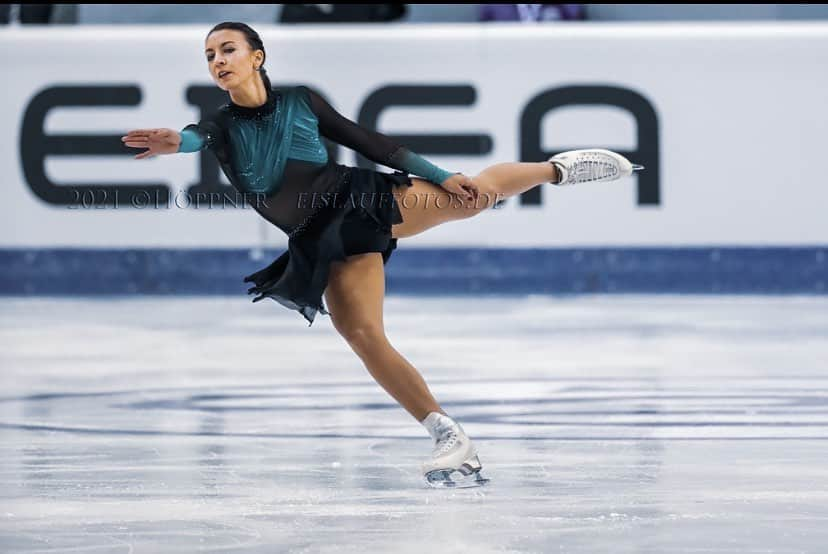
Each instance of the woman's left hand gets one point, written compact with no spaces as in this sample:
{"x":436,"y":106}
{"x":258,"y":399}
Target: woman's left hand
{"x":461,"y":185}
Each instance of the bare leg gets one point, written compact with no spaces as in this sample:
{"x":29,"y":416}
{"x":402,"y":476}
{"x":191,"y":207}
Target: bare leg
{"x":511,"y":178}
{"x":354,"y":297}
{"x":425,"y":205}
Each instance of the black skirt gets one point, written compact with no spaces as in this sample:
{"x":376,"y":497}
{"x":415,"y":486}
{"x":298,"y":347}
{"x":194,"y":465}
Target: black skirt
{"x":356,"y":220}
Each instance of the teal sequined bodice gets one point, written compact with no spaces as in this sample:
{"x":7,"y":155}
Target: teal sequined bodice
{"x":307,"y":145}
{"x":261,"y":142}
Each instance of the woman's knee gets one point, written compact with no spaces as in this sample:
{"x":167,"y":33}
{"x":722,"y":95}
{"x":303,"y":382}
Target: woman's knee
{"x":468,"y":210}
{"x":485,"y":199}
{"x":362,"y":337}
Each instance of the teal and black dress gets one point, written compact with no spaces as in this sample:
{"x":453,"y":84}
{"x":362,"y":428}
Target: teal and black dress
{"x":328,"y":211}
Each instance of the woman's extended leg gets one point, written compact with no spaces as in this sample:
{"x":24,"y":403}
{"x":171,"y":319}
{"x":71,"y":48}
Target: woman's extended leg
{"x":425,"y":205}
{"x":354,"y":297}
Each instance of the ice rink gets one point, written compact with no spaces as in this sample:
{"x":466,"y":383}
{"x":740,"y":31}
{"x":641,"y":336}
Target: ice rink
{"x":646,"y":424}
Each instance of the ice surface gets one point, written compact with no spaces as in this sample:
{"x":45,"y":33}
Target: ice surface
{"x":648,"y":424}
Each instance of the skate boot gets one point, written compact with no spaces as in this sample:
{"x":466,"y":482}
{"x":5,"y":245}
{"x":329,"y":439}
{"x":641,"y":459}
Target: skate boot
{"x":454,"y":462}
{"x":584,"y":166}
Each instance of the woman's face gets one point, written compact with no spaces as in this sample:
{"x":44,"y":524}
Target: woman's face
{"x":230,"y":59}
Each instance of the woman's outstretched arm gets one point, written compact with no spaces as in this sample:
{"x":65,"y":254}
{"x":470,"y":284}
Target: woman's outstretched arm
{"x":156,"y":141}
{"x":167,"y":141}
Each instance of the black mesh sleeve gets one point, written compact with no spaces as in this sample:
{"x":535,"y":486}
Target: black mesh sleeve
{"x":373,"y":145}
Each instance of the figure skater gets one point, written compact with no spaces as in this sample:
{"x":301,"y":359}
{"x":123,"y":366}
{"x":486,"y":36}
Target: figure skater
{"x":343,"y":222}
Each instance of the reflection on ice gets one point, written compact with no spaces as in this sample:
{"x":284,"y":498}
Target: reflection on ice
{"x":640,"y":424}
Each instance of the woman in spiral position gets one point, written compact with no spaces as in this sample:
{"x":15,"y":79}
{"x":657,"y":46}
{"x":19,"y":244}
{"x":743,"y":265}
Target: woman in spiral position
{"x":343,"y":222}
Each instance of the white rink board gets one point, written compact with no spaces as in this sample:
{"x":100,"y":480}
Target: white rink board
{"x":741,"y":109}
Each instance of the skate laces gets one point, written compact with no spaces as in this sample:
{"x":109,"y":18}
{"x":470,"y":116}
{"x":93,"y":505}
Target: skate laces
{"x":446,"y":434}
{"x":592,"y":167}
{"x":446,"y":443}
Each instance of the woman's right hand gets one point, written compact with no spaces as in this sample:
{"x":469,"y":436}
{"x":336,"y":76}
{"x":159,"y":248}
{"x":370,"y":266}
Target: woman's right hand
{"x":156,"y":141}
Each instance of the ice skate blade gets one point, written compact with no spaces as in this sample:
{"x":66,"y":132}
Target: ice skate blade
{"x":636,"y":167}
{"x":454,"y":479}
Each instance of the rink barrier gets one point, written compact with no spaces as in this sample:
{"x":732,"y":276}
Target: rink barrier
{"x":695,"y":103}
{"x":481,"y":271}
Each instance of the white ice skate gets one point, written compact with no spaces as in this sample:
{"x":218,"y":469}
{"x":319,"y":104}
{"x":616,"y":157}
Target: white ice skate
{"x":454,"y":462}
{"x":584,"y":166}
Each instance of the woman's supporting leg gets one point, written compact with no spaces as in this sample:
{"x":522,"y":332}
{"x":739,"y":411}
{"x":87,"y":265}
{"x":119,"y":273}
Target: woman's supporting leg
{"x":425,"y":205}
{"x":354,"y":297}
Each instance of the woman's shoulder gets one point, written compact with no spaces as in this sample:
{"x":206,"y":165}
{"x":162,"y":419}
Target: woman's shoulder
{"x":294,"y":91}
